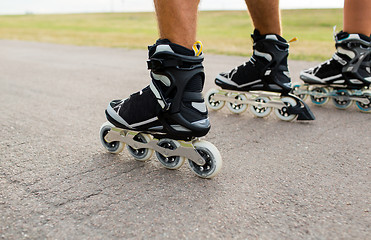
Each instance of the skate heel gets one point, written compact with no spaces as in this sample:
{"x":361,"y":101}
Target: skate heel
{"x":177,"y":82}
{"x":301,"y":109}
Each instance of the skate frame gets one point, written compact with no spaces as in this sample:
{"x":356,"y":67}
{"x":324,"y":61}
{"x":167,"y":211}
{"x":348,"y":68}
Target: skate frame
{"x":185,"y":149}
{"x":229,"y":96}
{"x":357,"y":95}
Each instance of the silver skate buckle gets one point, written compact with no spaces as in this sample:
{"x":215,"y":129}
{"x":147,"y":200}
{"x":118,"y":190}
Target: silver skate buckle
{"x":166,"y":107}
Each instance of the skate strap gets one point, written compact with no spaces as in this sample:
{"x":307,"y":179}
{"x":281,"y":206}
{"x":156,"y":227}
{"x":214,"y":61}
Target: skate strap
{"x":159,"y":96}
{"x":161,"y":64}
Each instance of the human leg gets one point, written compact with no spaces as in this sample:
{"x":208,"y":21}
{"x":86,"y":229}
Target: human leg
{"x":171,"y":108}
{"x":176,"y":70}
{"x":177,"y":20}
{"x":268,"y":65}
{"x":265,"y":15}
{"x":357,"y":17}
{"x":264,"y":81}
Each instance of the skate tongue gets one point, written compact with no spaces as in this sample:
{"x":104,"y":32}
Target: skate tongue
{"x":197,"y":48}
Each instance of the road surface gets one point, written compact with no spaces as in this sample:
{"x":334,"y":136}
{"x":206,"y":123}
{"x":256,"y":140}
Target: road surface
{"x":280,"y":180}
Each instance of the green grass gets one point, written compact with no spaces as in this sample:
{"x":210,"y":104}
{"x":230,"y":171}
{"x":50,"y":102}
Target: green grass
{"x":222,"y":32}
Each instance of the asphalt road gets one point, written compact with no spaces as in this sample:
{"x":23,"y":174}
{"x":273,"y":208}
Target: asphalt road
{"x":280,"y":180}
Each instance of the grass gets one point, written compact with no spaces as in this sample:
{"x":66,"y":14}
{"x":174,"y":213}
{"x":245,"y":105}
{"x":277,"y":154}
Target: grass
{"x":222,"y":32}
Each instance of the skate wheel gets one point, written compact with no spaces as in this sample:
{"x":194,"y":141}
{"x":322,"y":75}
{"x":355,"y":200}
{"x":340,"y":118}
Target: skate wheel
{"x":112,"y":147}
{"x":212,"y":104}
{"x":238,"y":108}
{"x":341,"y":100}
{"x":283,"y":113}
{"x":141,"y":154}
{"x":173,"y":162}
{"x":317,"y":97}
{"x":295,"y":91}
{"x":365,"y":107}
{"x":212,"y":158}
{"x":260,"y":111}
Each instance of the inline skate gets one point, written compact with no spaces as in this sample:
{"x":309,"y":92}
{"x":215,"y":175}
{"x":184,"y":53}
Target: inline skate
{"x":167,"y":117}
{"x":345,"y":78}
{"x":263,"y":83}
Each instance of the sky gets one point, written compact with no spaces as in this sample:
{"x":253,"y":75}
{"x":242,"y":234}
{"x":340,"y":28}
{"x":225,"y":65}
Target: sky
{"x":81,"y":6}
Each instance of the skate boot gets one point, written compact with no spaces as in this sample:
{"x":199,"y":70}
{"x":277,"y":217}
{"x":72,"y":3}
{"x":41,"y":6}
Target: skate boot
{"x":345,"y":78}
{"x":167,"y":117}
{"x":263,"y":82}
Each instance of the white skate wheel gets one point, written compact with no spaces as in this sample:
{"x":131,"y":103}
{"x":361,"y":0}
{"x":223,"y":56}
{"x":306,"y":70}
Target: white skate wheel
{"x":282,"y":113}
{"x":260,"y":111}
{"x":112,"y":147}
{"x":141,"y":154}
{"x":212,"y":158}
{"x":235,"y":107}
{"x":212,"y":104}
{"x":173,"y":162}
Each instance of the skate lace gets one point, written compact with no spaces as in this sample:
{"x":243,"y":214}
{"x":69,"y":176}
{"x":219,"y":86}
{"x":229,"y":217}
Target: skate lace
{"x":139,"y":92}
{"x":318,"y":67}
{"x":315,"y":69}
{"x":234,"y":70}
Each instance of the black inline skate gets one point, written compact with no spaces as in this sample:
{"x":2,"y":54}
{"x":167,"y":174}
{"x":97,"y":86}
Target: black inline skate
{"x":345,"y":78}
{"x":168,"y":116}
{"x":263,"y":82}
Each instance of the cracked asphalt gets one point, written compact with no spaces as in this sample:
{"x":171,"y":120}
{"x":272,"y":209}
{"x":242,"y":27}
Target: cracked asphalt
{"x":280,"y":180}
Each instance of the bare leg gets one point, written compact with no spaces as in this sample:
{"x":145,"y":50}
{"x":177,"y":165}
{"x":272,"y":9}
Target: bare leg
{"x":266,"y":15}
{"x":357,"y":16}
{"x":177,"y":20}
